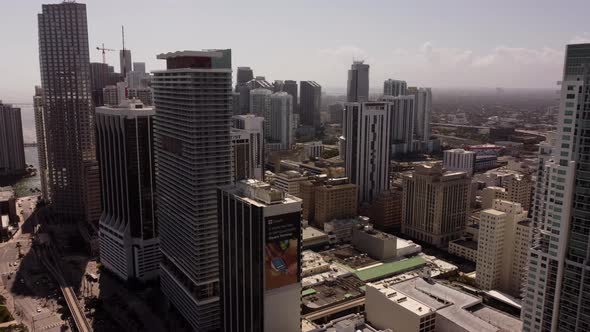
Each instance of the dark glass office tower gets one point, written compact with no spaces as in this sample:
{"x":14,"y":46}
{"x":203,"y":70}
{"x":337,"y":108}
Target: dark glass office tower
{"x":310,"y":103}
{"x":358,"y":82}
{"x":68,"y":115}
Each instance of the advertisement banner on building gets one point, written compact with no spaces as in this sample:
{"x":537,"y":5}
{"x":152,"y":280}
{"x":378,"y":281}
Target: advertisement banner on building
{"x":281,"y":257}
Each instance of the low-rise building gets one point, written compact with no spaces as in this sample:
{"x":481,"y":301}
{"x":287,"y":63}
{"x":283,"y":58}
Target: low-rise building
{"x":313,"y":237}
{"x":419,"y":305}
{"x":313,"y":149}
{"x":348,"y":323}
{"x":465,"y":248}
{"x":289,"y":182}
{"x":459,"y":160}
{"x":380,"y":245}
{"x":340,"y":230}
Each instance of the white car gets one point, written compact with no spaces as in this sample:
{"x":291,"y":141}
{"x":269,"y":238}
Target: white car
{"x":38,"y":309}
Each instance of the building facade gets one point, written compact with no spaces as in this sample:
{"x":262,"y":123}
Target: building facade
{"x":72,"y":169}
{"x":247,"y":134}
{"x":192,"y":137}
{"x":366,"y":131}
{"x":358,"y":83}
{"x":423,"y":113}
{"x":459,"y":160}
{"x":556,"y":293}
{"x":326,"y":199}
{"x":310,"y":103}
{"x":499,"y":251}
{"x":435,"y":204}
{"x":128,"y":225}
{"x":394,"y":88}
{"x":12,"y":150}
{"x":291,"y":87}
{"x":279,"y":122}
{"x":125,"y":62}
{"x":260,"y":250}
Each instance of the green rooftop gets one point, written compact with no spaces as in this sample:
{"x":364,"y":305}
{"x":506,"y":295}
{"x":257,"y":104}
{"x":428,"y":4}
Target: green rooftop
{"x":390,"y":269}
{"x":308,"y":291}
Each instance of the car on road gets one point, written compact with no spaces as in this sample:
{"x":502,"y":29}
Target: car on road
{"x":38,"y":309}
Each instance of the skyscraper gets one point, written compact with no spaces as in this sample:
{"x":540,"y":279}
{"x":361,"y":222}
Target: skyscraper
{"x":367,"y":130}
{"x":279,"y":121}
{"x":260,"y":251}
{"x":402,"y":120}
{"x":260,"y":102}
{"x":310,"y":103}
{"x":128,"y":226}
{"x":244,"y":75}
{"x":290,"y":87}
{"x":139,"y":67}
{"x":358,"y":82}
{"x":193,"y":158}
{"x":125,"y":62}
{"x":558,"y":286}
{"x":68,"y":115}
{"x":248,"y":147}
{"x":435,"y":204}
{"x":12,"y":150}
{"x":423,"y":112}
{"x":394,"y":88}
{"x":99,"y":78}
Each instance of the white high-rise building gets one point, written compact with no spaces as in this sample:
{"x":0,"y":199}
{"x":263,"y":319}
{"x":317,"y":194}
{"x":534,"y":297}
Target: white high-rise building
{"x":501,"y":260}
{"x":129,"y":244}
{"x":394,"y":87}
{"x":248,"y":147}
{"x":193,"y":158}
{"x":366,"y":131}
{"x":260,"y":250}
{"x":423,"y":112}
{"x":260,"y":102}
{"x":280,"y":120}
{"x":459,"y":160}
{"x":557,"y":293}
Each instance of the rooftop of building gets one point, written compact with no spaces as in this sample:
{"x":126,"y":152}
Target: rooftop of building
{"x":470,"y":244}
{"x":310,"y":233}
{"x":290,"y":174}
{"x":343,"y":288}
{"x":371,"y":231}
{"x":389,"y":269}
{"x":448,"y":302}
{"x":493,"y":212}
{"x":348,"y":256}
{"x":260,"y":193}
{"x":462,"y":151}
{"x":349,"y":323}
{"x":186,"y":53}
{"x":127,"y":107}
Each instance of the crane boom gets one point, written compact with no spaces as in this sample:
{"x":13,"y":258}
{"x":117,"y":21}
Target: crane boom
{"x":103,"y":49}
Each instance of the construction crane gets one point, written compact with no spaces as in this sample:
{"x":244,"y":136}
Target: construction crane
{"x":103,"y":49}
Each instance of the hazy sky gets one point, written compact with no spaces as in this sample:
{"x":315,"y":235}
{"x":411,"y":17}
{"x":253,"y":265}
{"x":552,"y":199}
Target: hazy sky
{"x":441,"y":44}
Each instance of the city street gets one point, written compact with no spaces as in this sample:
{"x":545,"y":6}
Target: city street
{"x":30,"y":292}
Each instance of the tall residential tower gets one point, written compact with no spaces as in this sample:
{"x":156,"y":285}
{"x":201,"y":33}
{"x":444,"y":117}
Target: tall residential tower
{"x":557,"y":293}
{"x":193,"y":99}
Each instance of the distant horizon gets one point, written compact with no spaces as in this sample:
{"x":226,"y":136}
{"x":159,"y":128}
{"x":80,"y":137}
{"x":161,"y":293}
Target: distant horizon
{"x":341,"y":91}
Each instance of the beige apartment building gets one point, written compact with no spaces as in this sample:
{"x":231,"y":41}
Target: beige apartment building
{"x":504,"y":238}
{"x":514,"y":188}
{"x":325,"y":199}
{"x":435,"y":204}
